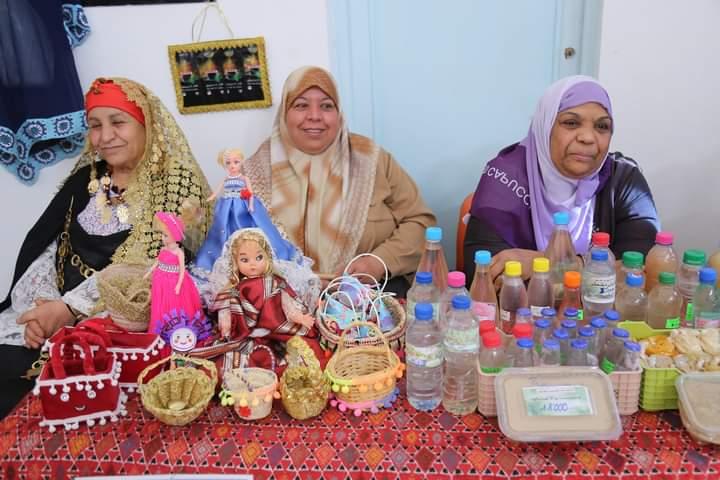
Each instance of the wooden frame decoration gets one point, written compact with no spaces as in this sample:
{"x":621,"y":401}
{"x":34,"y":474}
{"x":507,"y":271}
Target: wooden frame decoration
{"x":220,"y":75}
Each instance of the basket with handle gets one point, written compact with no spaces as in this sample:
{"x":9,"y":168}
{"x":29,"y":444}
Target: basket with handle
{"x":363,"y":377}
{"x":179,"y":395}
{"x":303,"y":387}
{"x":251,"y":390}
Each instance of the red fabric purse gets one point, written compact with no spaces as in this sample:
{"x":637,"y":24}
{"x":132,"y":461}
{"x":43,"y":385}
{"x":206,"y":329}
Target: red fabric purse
{"x":80,"y":383}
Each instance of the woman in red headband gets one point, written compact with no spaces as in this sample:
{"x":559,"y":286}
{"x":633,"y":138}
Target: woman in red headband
{"x":136,"y":162}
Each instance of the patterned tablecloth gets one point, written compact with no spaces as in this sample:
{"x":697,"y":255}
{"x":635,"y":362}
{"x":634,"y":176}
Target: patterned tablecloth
{"x":400,"y":443}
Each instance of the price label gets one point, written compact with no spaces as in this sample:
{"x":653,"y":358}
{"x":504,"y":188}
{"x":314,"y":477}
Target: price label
{"x":557,"y":401}
{"x":672,"y":322}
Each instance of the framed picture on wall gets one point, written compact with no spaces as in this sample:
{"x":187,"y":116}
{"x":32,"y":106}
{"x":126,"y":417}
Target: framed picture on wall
{"x":220,"y":75}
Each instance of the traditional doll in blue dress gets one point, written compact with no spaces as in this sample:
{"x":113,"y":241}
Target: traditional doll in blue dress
{"x":236,"y":207}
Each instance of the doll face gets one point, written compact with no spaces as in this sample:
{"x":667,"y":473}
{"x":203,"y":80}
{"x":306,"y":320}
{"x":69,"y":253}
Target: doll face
{"x":167,"y":239}
{"x":183,"y":340}
{"x":233,"y":164}
{"x":250,"y":260}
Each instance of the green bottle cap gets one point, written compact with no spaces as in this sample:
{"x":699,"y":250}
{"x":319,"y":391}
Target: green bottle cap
{"x":694,"y":257}
{"x":667,"y":278}
{"x":633,"y":259}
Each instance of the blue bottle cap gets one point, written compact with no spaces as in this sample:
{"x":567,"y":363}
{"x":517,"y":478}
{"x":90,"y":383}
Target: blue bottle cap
{"x":571,"y":312}
{"x":598,"y":322}
{"x":548,"y":312}
{"x":599,"y":255}
{"x":708,"y":275}
{"x":579,"y":344}
{"x":568,"y":324}
{"x":612,"y":315}
{"x":561,"y":334}
{"x":586,"y":332}
{"x":423,"y":311}
{"x":483,"y":257}
{"x":551,"y":344}
{"x":632,"y":346}
{"x":523,"y":312}
{"x":433,"y":234}
{"x":561,"y":218}
{"x":621,"y":333}
{"x":525,"y":343}
{"x":633,"y":279}
{"x":423,"y":277}
{"x":542,"y":323}
{"x":461,"y":302}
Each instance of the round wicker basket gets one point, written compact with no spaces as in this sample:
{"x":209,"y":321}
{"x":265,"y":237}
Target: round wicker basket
{"x":179,"y":395}
{"x":126,"y":295}
{"x":252,"y":389}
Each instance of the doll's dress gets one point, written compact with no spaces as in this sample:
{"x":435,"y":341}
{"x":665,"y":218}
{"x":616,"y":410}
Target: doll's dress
{"x":231,"y":214}
{"x":168,"y":310}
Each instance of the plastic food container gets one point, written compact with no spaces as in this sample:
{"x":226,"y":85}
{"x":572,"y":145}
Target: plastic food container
{"x":698,"y":395}
{"x":556,"y":404}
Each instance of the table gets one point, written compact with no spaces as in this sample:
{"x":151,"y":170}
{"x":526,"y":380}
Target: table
{"x":399,"y":443}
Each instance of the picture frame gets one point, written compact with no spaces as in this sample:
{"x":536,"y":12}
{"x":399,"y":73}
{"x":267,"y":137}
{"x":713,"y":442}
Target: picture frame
{"x":220,"y":75}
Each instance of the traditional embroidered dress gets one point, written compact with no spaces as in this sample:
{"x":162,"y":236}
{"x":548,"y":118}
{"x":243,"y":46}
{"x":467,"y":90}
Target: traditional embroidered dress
{"x":42,"y":116}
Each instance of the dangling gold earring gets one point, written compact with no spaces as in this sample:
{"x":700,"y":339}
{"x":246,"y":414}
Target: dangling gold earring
{"x":94,"y":183}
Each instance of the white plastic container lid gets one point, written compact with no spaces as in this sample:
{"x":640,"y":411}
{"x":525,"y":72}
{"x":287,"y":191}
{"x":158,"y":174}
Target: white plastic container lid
{"x":556,"y":404}
{"x":698,"y":395}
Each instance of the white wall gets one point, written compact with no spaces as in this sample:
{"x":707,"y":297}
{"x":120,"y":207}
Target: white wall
{"x":659,"y":62}
{"x":131,"y":41}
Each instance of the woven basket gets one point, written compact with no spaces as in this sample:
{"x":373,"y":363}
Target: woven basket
{"x":303,"y":387}
{"x":251,"y":390}
{"x":126,"y":295}
{"x":363,"y":375}
{"x":330,"y":338}
{"x":179,"y":395}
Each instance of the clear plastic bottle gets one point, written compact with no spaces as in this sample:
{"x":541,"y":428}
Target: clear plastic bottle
{"x":519,"y":331}
{"x":706,"y":302}
{"x":631,"y":357}
{"x":512,"y":295}
{"x":600,"y":241}
{"x":601,"y":332}
{"x":541,"y":332}
{"x":590,"y":336}
{"x":577,"y":357}
{"x":614,"y":346}
{"x":424,"y":359}
{"x":433,"y":258}
{"x":455,"y":286}
{"x":598,"y":285}
{"x":485,"y":326}
{"x":664,"y":303}
{"x":714,"y":263}
{"x":632,"y":301}
{"x":540,"y":288}
{"x":688,"y":281}
{"x":551,"y":315}
{"x":461,"y":346}
{"x":561,"y":253}
{"x":612,"y":318}
{"x":482,"y":290}
{"x":660,"y":258}
{"x":571,"y":294}
{"x":492,"y":359}
{"x":523,"y":315}
{"x":563,"y":339}
{"x":422,"y":291}
{"x":524,"y":353}
{"x":550,"y":356}
{"x":570,"y":324}
{"x":632,"y":262}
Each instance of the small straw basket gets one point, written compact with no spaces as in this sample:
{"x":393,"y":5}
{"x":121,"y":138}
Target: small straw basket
{"x":252,"y":389}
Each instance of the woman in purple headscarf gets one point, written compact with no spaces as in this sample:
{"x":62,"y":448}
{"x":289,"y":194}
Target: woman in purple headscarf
{"x":562,"y":164}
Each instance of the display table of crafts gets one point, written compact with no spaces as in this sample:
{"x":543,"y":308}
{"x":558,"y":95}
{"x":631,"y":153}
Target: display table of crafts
{"x":400,"y":443}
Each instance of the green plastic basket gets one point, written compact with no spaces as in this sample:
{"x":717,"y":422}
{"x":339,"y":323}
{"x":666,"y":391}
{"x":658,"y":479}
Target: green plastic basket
{"x":658,"y":388}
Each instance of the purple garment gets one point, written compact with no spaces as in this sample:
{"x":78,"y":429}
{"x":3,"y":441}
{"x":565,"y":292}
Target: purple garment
{"x":521,"y":189}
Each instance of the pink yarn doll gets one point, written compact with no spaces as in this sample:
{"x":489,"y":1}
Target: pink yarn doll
{"x":174,"y":298}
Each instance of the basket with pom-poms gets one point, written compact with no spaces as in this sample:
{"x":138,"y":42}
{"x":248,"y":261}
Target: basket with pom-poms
{"x":251,"y":390}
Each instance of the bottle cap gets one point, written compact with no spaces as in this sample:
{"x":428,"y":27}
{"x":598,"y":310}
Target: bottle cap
{"x":561,"y":218}
{"x":487,"y":326}
{"x":542,"y":323}
{"x":611,"y":315}
{"x":599,"y":255}
{"x":423,"y":277}
{"x":513,"y":269}
{"x":522,"y":330}
{"x":461,"y":302}
{"x":423,"y":311}
{"x":525,"y":343}
{"x":551,"y":344}
{"x":483,"y":257}
{"x":600,"y":239}
{"x":491,"y":340}
{"x":579,"y":344}
{"x":708,"y":275}
{"x":523,"y":312}
{"x":632,"y":346}
{"x":664,"y":238}
{"x":571,"y":312}
{"x":456,"y":279}
{"x":621,"y":333}
{"x":568,"y":324}
{"x":572,"y":279}
{"x":598,"y":322}
{"x":586,"y":332}
{"x":694,"y":257}
{"x":667,"y":278}
{"x":433,"y":234}
{"x":633,"y":280}
{"x":633,"y":259}
{"x":561,"y":334}
{"x":541,"y":265}
{"x":548,"y":312}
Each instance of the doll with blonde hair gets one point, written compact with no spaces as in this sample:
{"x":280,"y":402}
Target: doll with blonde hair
{"x":236,"y":207}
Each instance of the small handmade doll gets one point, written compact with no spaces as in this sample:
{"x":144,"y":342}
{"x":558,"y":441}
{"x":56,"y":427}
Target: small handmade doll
{"x":236,"y":207}
{"x":174,"y":298}
{"x":258,"y":304}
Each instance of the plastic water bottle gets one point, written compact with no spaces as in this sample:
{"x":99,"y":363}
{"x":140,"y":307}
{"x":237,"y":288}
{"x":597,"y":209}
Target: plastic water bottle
{"x":601,"y":332}
{"x":688,"y":281}
{"x":632,"y":262}
{"x":460,"y":391}
{"x":492,"y":359}
{"x":578,"y":353}
{"x":563,"y":340}
{"x":614,"y":347}
{"x":664,"y":303}
{"x":612,"y":318}
{"x":433,"y":258}
{"x":550,"y":356}
{"x":561,"y":253}
{"x":424,"y":358}
{"x":512,"y":295}
{"x":540,"y":288}
{"x":632,"y":302}
{"x":550,"y":314}
{"x":600,"y":241}
{"x":598,"y":283}
{"x":523,"y":315}
{"x":524,"y":353}
{"x":456,"y":286}
{"x":482,"y":290}
{"x":590,"y":336}
{"x":570,"y":324}
{"x":541,"y":332}
{"x":422,"y":291}
{"x":660,"y":258}
{"x":571,"y":294}
{"x":706,"y":302}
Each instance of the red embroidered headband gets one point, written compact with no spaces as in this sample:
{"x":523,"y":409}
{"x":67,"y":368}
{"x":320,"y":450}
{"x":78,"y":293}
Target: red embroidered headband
{"x":106,"y":93}
{"x":174,"y":225}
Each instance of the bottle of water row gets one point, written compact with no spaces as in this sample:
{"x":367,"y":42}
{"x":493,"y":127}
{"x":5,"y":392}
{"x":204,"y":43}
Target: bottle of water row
{"x":598,"y":283}
{"x":422,"y":291}
{"x":455,"y":286}
{"x":424,"y":358}
{"x":462,"y":344}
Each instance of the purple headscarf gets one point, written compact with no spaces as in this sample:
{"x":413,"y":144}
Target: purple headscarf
{"x":521,"y":188}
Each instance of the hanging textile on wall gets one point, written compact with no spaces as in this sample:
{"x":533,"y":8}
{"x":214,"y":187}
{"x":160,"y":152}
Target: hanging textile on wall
{"x":42,"y":115}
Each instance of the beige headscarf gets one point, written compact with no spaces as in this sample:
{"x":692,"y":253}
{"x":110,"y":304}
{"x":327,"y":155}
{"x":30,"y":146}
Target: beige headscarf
{"x":322,"y":200}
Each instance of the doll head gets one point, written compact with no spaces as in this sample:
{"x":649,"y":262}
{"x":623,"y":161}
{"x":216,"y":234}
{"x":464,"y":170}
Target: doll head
{"x":231,"y":159}
{"x":251,"y":255}
{"x":170,"y":225}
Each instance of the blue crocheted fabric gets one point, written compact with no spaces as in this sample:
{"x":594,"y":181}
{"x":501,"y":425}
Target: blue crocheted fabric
{"x":42,"y":117}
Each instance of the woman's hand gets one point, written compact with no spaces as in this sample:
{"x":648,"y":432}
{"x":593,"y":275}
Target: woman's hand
{"x":367,"y":265}
{"x":525,"y":257}
{"x":42,"y":321}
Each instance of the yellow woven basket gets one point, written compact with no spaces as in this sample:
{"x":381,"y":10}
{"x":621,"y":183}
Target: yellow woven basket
{"x":363,"y":377}
{"x":179,"y":395}
{"x":303,"y":387}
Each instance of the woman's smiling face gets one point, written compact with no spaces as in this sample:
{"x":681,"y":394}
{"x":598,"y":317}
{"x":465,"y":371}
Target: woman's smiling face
{"x":312,"y":121}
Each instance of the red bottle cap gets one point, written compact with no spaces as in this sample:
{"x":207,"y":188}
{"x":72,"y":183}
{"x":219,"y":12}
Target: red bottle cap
{"x":487,"y":326}
{"x":522,"y":330}
{"x":491,"y":340}
{"x":601,"y":239}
